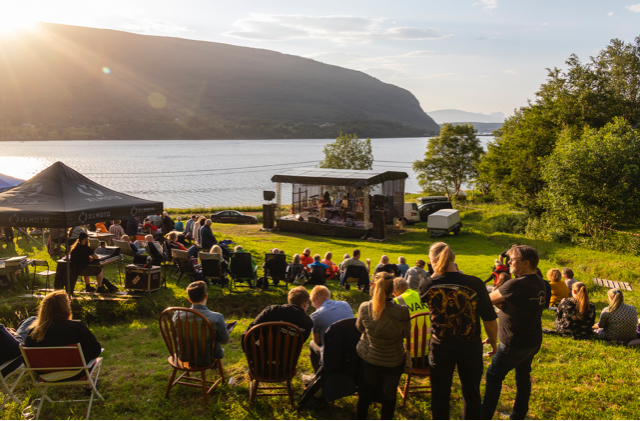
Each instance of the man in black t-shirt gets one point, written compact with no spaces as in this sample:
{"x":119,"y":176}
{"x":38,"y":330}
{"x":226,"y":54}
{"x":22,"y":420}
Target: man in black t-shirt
{"x":456,"y":304}
{"x":520,"y":331}
{"x":295,"y":313}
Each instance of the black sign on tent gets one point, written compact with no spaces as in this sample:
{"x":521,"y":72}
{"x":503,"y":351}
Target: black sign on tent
{"x":60,"y":197}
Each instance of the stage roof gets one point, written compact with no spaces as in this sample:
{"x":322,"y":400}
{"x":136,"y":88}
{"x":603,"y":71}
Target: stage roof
{"x":333,"y":177}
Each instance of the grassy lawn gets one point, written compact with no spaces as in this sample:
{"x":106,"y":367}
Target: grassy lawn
{"x":571,"y":379}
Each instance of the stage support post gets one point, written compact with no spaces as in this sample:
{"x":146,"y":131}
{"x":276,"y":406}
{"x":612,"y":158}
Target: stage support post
{"x":278,"y":200}
{"x":365,"y":190}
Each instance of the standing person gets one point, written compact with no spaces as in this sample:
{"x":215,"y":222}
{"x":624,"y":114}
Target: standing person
{"x":456,"y":303}
{"x":116,"y":230}
{"x":167,"y":223}
{"x":567,"y":275}
{"x":188,"y":228}
{"x":207,"y":239}
{"x":576,"y":315}
{"x":322,"y":212}
{"x":520,"y":331}
{"x":344,"y":207}
{"x":383,"y":325}
{"x":416,"y":274}
{"x":132,"y":226}
{"x":618,"y":321}
{"x":195,"y":230}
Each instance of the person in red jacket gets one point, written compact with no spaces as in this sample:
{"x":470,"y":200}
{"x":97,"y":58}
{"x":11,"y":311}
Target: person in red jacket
{"x":306,"y":258}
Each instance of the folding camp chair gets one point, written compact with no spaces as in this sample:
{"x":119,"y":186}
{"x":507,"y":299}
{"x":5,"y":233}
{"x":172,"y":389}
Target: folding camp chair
{"x":211,"y":264}
{"x":187,"y":339}
{"x":272,"y":351}
{"x":318,"y":276}
{"x":275,"y":267}
{"x":8,"y":388}
{"x":241,"y":268}
{"x":47,"y":364}
{"x":185,"y":265}
{"x":418,"y":344}
{"x":356,"y":275}
{"x":125,"y":248}
{"x":48,"y":273}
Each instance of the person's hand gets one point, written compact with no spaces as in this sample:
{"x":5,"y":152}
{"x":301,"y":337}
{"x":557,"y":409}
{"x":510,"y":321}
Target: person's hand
{"x":596,"y":326}
{"x":494,"y":346}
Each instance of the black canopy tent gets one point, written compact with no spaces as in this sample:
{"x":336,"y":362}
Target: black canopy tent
{"x":311,"y":182}
{"x":60,"y":197}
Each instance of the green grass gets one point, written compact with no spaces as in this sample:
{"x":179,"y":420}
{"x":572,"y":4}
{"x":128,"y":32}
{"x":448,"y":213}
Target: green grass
{"x":571,"y":379}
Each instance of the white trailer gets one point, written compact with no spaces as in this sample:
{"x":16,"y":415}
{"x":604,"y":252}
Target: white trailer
{"x":443,"y":222}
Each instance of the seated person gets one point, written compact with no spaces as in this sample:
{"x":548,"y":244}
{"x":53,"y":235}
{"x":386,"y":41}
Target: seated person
{"x":179,"y":225}
{"x":341,"y":264}
{"x":618,"y":321}
{"x":576,"y":314}
{"x":332,"y":269}
{"x":305,"y":257}
{"x":216,"y":249}
{"x":407,"y":297}
{"x":239,"y":249}
{"x":135,"y":245}
{"x":197,"y":292}
{"x":498,"y":269}
{"x":296,"y":269}
{"x":415,"y":274}
{"x":155,"y":250}
{"x":80,"y":257}
{"x":567,"y":275}
{"x":559,"y":289}
{"x":327,"y":313}
{"x":117,"y":230}
{"x":75,"y":232}
{"x":172,"y":243}
{"x":355,"y":260}
{"x":148,"y":227}
{"x":316,"y":263}
{"x":54,"y":327}
{"x":100,"y":227}
{"x":385,"y":266}
{"x":295,"y":312}
{"x":156,"y":220}
{"x":310,"y":268}
{"x":403,"y":267}
{"x":10,"y":341}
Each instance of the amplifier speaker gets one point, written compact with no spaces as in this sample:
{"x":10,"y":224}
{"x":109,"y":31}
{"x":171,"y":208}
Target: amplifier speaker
{"x":268,"y":194}
{"x":268,"y":216}
{"x":300,"y":218}
{"x":314,"y":219}
{"x":379,"y":231}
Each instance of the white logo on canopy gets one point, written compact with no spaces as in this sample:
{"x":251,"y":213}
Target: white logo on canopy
{"x":82,"y":188}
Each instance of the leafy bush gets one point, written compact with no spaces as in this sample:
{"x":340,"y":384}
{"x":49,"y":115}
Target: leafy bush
{"x":511,"y":223}
{"x":474,"y":215}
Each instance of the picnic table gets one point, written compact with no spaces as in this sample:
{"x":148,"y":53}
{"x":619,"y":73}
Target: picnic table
{"x":612,"y":284}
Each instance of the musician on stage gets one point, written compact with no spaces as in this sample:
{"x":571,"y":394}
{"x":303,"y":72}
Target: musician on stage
{"x":80,"y":258}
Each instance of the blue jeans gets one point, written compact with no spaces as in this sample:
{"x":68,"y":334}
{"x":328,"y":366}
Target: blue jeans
{"x":23,"y":328}
{"x":505,"y":360}
{"x":193,"y":251}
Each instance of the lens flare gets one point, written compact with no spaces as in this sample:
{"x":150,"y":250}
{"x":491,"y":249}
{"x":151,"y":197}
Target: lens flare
{"x":157,"y":100}
{"x":106,"y":70}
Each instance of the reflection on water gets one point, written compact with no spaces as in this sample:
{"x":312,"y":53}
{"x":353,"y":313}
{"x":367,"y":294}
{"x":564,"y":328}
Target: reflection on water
{"x":199,"y":172}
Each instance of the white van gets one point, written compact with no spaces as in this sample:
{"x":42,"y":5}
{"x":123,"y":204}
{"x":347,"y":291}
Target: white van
{"x":411,"y":213}
{"x":443,"y":222}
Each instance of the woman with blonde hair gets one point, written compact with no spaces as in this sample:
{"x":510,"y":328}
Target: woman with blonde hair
{"x":576,"y":314}
{"x":296,"y":272}
{"x":456,"y":303}
{"x":384,"y":325}
{"x":54,"y":327}
{"x":618,"y":322}
{"x":559,"y":290}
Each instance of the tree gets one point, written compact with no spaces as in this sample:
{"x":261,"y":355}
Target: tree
{"x":450,"y":160}
{"x":594,"y":179}
{"x":349,"y":153}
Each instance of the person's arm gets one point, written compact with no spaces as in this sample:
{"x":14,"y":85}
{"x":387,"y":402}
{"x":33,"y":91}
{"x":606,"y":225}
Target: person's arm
{"x":491,"y":327}
{"x":222,"y":334}
{"x":91,"y":348}
{"x":496,"y":297}
{"x":317,"y":338}
{"x":604,"y":319}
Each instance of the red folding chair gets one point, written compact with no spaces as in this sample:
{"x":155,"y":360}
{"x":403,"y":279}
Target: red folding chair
{"x":8,"y":388}
{"x":50,"y":366}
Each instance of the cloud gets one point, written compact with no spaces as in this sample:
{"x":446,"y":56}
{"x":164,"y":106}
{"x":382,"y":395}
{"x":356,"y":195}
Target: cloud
{"x":487,"y":5}
{"x":384,"y":72}
{"x":610,"y":14}
{"x":343,"y":58}
{"x":341,"y":29}
{"x":634,"y":8}
{"x":483,"y":77}
{"x":150,"y":26}
{"x":511,"y":72}
{"x":424,"y":54}
{"x":441,"y":76}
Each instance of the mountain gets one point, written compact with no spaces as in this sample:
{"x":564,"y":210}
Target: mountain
{"x":482,"y":128}
{"x":63,"y":76}
{"x":452,"y":116}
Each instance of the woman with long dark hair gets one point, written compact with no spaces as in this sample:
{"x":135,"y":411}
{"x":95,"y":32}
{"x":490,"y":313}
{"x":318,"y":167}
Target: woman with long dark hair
{"x":576,"y":314}
{"x":80,"y":257}
{"x":384,"y":325}
{"x":618,"y":322}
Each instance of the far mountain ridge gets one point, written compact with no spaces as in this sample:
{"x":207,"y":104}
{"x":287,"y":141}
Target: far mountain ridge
{"x":453,"y":116}
{"x":68,"y":76}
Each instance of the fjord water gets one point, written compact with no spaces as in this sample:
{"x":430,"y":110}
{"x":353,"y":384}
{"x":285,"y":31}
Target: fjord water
{"x":187,"y":173}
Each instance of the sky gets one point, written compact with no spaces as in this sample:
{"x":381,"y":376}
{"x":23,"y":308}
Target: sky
{"x":475,"y":55}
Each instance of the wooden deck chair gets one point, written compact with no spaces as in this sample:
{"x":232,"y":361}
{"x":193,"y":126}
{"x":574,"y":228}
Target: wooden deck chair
{"x":185,"y":265}
{"x":418,"y":344}
{"x":275,"y":267}
{"x":241,"y":269}
{"x":211,"y":264}
{"x":188,"y":335}
{"x":47,"y":364}
{"x":272,"y":351}
{"x":9,"y":387}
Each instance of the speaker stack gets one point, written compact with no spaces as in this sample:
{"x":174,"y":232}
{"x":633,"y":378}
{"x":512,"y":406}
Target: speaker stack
{"x":268,"y":216}
{"x":379,"y":221}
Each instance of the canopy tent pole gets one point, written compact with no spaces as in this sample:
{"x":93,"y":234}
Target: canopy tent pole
{"x":278,"y":200}
{"x":69,"y":292}
{"x":365,"y":190}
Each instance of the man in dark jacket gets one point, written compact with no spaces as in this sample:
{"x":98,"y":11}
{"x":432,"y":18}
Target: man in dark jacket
{"x":207,"y":239}
{"x":167,"y":223}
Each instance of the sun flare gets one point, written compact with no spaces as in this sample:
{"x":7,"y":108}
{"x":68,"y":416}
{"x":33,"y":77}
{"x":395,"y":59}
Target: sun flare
{"x":11,"y":23}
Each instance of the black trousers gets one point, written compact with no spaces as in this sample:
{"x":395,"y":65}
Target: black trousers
{"x":443,"y":358}
{"x":378,"y":384}
{"x":315,"y":353}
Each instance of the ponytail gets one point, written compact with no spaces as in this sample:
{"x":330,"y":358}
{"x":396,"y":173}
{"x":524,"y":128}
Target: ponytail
{"x":617,"y":300}
{"x":382,"y":289}
{"x":442,"y":257}
{"x":581,"y":297}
